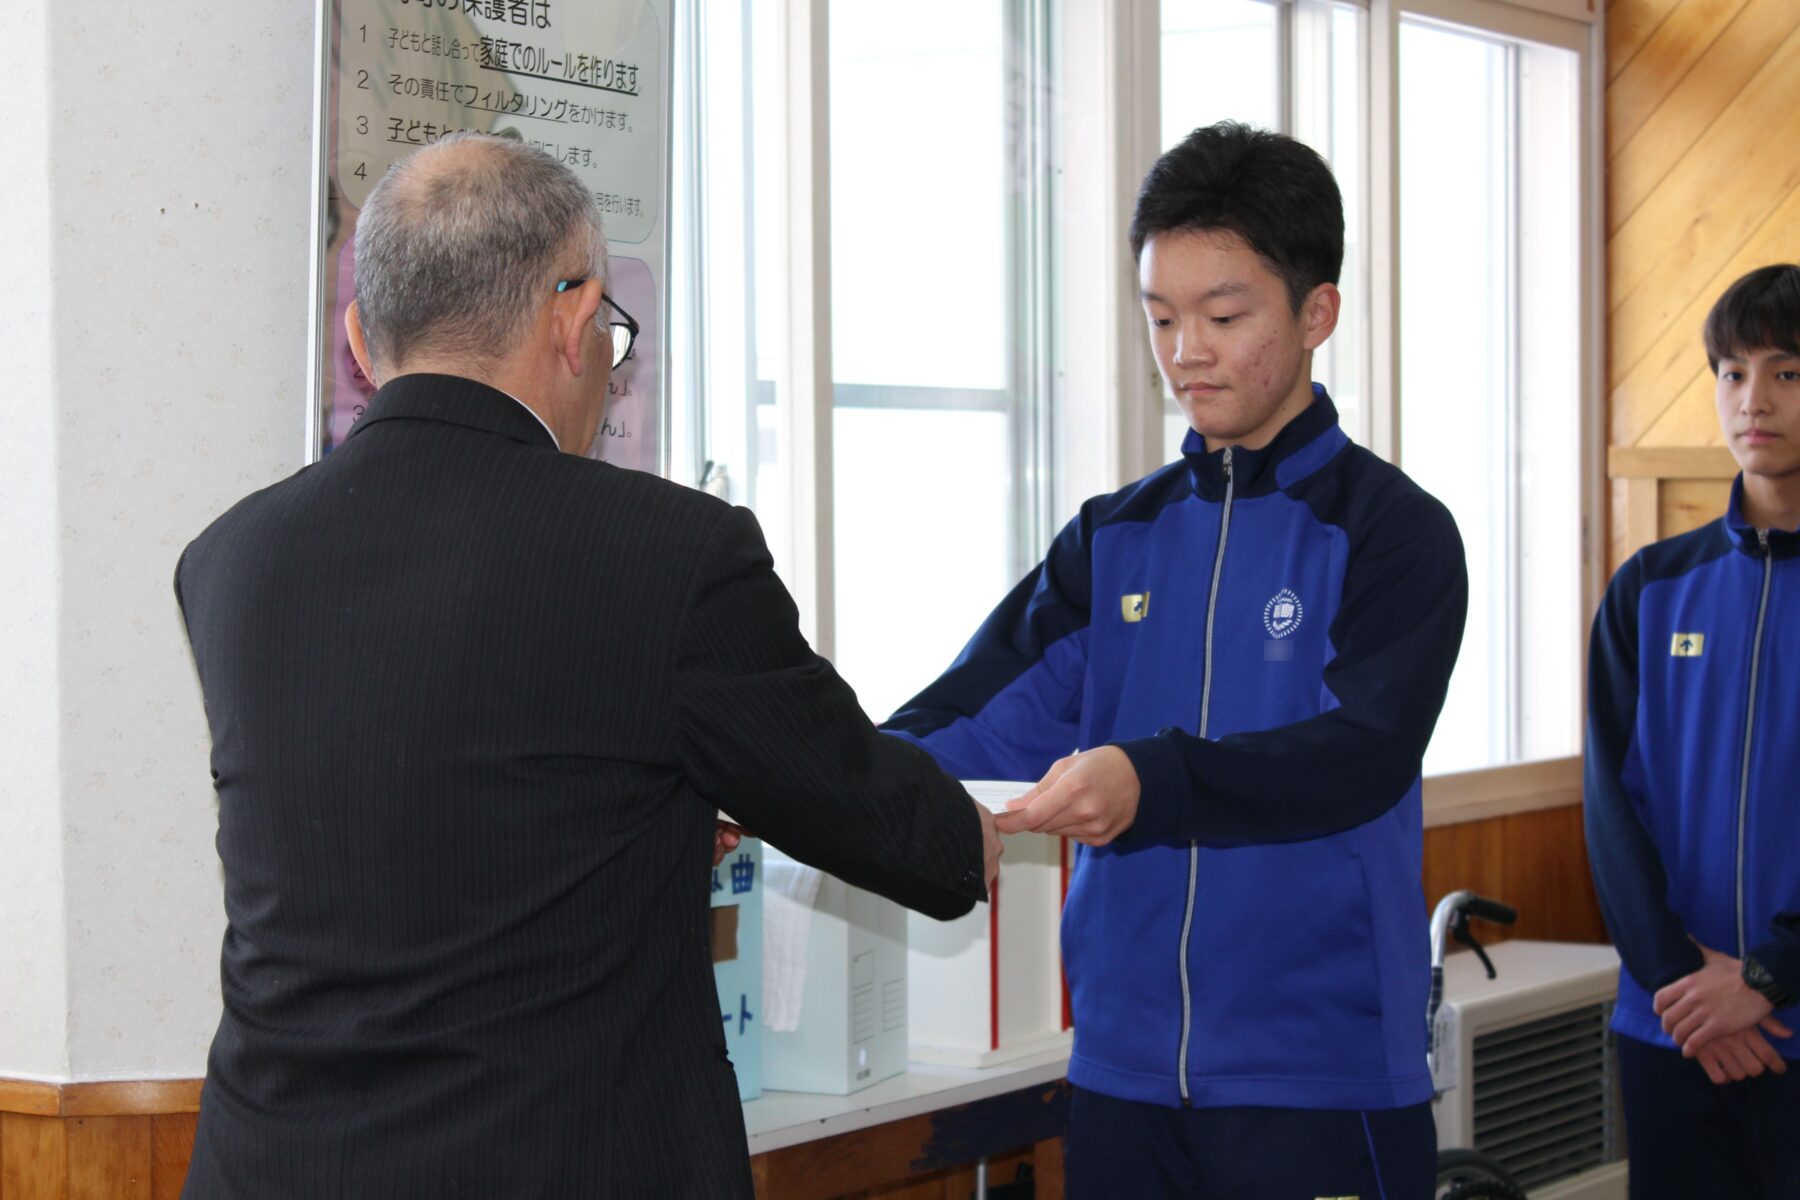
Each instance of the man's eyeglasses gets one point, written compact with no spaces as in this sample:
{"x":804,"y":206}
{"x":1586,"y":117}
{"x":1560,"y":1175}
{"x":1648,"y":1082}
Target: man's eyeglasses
{"x":624,"y":331}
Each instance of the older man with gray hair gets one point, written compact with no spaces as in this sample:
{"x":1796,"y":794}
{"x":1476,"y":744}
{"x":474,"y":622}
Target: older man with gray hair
{"x":474,"y":704}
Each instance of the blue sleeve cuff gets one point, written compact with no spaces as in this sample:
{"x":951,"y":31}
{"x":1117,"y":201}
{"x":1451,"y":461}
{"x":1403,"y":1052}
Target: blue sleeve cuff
{"x":1163,"y":786}
{"x":1780,"y":957}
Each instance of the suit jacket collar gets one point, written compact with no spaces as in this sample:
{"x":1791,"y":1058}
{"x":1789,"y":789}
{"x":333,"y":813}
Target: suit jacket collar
{"x":454,"y":401}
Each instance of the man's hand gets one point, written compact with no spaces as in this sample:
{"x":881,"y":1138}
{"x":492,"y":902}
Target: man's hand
{"x":991,"y":849}
{"x":1736,"y":1056}
{"x":1091,"y":797}
{"x":726,"y":837}
{"x":1713,"y":1002}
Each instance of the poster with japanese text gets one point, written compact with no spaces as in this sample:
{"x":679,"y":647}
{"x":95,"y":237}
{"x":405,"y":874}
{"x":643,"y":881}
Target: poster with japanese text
{"x":585,"y":80}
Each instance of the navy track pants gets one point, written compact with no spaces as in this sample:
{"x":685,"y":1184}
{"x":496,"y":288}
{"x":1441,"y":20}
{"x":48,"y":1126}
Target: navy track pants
{"x":1116,"y":1148}
{"x":1691,"y":1137}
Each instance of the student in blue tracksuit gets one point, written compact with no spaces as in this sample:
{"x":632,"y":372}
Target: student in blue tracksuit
{"x":1693,"y":792}
{"x":1226,"y":675}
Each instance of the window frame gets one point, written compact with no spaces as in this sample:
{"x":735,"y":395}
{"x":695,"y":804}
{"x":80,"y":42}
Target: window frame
{"x":805,"y":395}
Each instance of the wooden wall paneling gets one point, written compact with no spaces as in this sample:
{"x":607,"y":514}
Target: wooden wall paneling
{"x":109,"y":1158}
{"x":1618,"y":524}
{"x":1628,"y":26}
{"x":1691,"y":419}
{"x":1725,"y":188}
{"x":34,"y":1158}
{"x":1685,"y":504}
{"x":1643,"y":517}
{"x":171,"y":1149}
{"x":96,"y":1141}
{"x":1471,"y":855}
{"x":1644,"y":387}
{"x":1739,"y":166}
{"x":1671,"y":462}
{"x":32,"y":1099}
{"x":1547,"y":867}
{"x":1702,"y":114}
{"x":131,"y":1099}
{"x":1534,"y":861}
{"x":1667,"y":490}
{"x":1648,"y":141}
{"x":1663,"y":62}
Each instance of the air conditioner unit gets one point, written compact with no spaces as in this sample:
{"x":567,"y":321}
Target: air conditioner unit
{"x":1526,"y":1068}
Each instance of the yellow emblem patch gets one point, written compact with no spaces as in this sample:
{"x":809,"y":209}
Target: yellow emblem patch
{"x":1687,"y":645}
{"x":1135,"y":607}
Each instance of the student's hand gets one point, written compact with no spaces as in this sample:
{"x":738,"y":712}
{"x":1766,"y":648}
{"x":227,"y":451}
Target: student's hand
{"x":1091,"y":797}
{"x":991,"y":849}
{"x":1738,"y":1056}
{"x":726,"y":837}
{"x":1713,"y":1002}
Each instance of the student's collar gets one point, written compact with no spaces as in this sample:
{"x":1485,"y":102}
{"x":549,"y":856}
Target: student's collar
{"x":1783,"y":543}
{"x":1304,"y":445}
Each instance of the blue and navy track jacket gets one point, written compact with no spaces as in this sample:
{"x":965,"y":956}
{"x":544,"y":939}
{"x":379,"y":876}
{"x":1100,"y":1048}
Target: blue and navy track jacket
{"x":1693,"y":760}
{"x":1268,"y":635}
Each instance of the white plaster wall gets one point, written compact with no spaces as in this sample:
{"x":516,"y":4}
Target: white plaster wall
{"x":180,"y":188}
{"x":33,"y":966}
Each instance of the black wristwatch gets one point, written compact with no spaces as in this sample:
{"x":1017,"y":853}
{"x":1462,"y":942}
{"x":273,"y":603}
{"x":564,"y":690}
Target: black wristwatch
{"x":1765,"y":985}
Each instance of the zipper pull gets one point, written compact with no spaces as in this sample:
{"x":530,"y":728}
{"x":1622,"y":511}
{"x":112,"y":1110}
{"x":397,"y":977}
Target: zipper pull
{"x":1229,"y":449}
{"x":1762,"y":535}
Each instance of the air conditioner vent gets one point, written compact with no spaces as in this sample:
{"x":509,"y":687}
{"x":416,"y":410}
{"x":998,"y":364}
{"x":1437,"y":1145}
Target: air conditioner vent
{"x":1541,"y":1094}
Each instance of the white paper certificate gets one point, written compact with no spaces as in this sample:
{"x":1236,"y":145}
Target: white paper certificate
{"x":995,"y":794}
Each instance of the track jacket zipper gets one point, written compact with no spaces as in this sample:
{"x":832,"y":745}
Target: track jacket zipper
{"x":1187,"y":917}
{"x":1762,"y":612}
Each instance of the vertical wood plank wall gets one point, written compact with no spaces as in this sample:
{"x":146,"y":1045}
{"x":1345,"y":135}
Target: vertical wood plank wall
{"x":1702,"y":185}
{"x":1534,"y":861}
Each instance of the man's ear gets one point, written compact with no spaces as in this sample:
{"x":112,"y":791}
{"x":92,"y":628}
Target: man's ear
{"x":1319,"y":314}
{"x":359,"y":347}
{"x":571,"y":312}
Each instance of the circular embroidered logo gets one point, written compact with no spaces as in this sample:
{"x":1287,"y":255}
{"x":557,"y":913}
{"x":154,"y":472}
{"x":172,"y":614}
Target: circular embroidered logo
{"x":1281,"y":615}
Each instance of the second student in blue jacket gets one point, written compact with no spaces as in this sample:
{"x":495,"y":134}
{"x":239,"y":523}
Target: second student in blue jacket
{"x":1693,"y":792}
{"x":1226,"y":674}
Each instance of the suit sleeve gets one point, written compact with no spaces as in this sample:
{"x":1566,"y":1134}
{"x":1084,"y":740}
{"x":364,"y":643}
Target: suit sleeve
{"x":1628,"y":873}
{"x":1010,"y":705}
{"x":771,"y":734}
{"x":1396,"y":635}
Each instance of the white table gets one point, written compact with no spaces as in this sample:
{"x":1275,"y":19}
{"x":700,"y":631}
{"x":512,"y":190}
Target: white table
{"x":780,"y":1119}
{"x":931,"y":1119}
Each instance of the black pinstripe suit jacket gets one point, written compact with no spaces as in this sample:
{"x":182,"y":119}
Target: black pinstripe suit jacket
{"x":473,"y":703}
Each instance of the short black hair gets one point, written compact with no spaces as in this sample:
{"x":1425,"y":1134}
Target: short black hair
{"x":1272,"y":191}
{"x":1761,"y":311}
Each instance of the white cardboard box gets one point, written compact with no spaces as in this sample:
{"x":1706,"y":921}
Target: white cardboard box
{"x":987,"y":988}
{"x":852,"y":1026}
